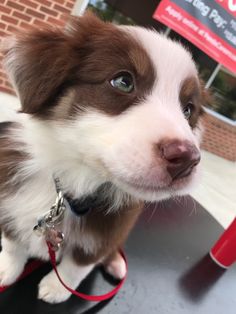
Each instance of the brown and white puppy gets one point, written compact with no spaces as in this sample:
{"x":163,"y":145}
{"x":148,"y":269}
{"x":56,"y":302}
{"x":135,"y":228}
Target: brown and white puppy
{"x":113,"y":112}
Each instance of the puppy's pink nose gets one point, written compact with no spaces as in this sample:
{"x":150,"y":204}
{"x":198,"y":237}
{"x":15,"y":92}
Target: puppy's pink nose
{"x":181,"y":157}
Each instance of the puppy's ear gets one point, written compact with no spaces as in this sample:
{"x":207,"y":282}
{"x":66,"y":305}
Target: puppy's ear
{"x":37,"y":63}
{"x":40,"y":63}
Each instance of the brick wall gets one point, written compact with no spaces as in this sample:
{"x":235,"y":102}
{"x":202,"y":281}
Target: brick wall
{"x":219,"y":137}
{"x":22,"y":14}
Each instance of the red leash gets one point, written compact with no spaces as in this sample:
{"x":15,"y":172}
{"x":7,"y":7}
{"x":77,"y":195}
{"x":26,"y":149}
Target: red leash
{"x":36,"y":264}
{"x":87,"y":297}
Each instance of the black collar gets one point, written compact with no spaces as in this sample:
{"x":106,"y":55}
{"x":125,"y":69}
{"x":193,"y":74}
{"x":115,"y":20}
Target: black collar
{"x":79,"y":207}
{"x":82,"y":206}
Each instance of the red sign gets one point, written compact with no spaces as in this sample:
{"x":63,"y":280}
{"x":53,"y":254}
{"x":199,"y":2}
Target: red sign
{"x":208,"y":24}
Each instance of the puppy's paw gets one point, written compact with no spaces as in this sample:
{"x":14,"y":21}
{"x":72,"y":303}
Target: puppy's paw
{"x":116,"y":266}
{"x":51,"y":290}
{"x":10,"y":268}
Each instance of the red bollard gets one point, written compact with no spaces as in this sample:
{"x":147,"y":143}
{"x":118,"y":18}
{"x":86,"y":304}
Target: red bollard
{"x":224,"y":251}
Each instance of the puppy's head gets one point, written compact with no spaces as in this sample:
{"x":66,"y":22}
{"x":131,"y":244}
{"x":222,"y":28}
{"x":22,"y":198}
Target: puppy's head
{"x":129,"y":100}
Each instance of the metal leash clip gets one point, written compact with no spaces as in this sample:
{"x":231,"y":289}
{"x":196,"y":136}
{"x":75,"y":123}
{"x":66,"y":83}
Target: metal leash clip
{"x":47,"y":224}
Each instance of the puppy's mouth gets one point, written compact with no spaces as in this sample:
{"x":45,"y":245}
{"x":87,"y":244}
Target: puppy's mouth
{"x":168,"y":185}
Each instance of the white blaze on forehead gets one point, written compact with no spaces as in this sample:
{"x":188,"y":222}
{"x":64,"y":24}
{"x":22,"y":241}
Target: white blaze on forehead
{"x":170,"y":59}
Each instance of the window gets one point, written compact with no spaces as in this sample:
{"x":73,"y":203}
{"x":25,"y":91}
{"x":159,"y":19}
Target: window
{"x":108,"y":13}
{"x":224,"y":88}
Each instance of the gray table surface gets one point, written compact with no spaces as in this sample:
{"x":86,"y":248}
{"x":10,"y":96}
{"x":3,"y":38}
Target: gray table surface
{"x":170,"y":271}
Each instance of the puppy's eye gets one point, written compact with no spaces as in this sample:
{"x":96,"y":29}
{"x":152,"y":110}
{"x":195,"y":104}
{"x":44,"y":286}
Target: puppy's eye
{"x":188,"y":110}
{"x":123,"y":81}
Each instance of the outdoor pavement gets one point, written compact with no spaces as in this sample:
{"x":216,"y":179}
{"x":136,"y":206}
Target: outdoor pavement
{"x":216,"y":191}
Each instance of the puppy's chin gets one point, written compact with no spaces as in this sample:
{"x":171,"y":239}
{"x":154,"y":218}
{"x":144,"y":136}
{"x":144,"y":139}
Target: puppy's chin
{"x":154,"y":193}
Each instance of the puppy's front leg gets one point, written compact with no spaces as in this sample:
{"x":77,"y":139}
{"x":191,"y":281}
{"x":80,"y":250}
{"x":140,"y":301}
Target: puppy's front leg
{"x":115,"y":265}
{"x":52,"y":291}
{"x":12,"y":261}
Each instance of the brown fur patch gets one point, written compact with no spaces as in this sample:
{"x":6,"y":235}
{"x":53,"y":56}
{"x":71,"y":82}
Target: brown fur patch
{"x":85,"y":57}
{"x":110,"y":231}
{"x":10,"y":160}
{"x":191,"y":92}
{"x":11,"y":156}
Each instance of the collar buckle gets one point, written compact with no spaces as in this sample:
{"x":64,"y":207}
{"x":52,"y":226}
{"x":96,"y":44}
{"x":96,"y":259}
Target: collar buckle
{"x":50,"y":222}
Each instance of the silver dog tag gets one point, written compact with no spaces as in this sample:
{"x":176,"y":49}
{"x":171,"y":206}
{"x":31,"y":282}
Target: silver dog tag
{"x":48,"y":225}
{"x":54,"y":237}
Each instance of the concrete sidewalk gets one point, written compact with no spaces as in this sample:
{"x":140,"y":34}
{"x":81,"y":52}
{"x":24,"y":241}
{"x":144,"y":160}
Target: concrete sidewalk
{"x":216,"y":191}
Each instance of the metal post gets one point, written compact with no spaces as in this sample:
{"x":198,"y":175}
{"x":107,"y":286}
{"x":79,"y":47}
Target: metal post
{"x":167,"y":31}
{"x":213,"y":75}
{"x":79,"y":7}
